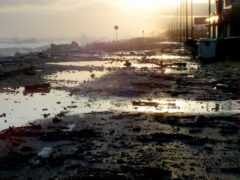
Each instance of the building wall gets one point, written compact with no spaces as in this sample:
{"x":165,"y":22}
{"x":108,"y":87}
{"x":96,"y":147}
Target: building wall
{"x":236,"y":3}
{"x":231,"y":4}
{"x":227,"y":3}
{"x":231,"y":18}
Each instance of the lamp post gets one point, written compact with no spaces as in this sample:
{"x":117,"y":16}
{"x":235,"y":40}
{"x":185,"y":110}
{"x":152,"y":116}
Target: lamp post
{"x":192,"y":28}
{"x":177,"y":24}
{"x":182,"y":19}
{"x":186,"y":20}
{"x":180,"y":22}
{"x":116,"y":27}
{"x":219,"y":10}
{"x":209,"y":16}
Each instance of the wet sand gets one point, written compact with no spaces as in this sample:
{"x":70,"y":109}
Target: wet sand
{"x":128,"y":116}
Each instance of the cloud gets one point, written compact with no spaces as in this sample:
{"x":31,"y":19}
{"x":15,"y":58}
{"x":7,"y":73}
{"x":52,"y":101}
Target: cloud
{"x":46,"y":5}
{"x":14,"y":3}
{"x":72,"y":18}
{"x":24,"y":2}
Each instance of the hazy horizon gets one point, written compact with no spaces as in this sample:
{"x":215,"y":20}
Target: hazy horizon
{"x":87,"y":19}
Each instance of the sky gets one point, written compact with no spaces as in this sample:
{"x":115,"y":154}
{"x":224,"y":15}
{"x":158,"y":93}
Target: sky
{"x":93,"y":19}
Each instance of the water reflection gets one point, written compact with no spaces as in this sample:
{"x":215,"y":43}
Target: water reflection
{"x":189,"y":107}
{"x":73,"y":78}
{"x":19,"y":109}
{"x":82,"y":63}
{"x":168,"y":57}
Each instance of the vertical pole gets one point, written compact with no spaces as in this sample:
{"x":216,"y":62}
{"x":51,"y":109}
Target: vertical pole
{"x":209,"y":15}
{"x":180,"y":25}
{"x":174,"y":27}
{"x":177,"y":26}
{"x":192,"y":20}
{"x":116,"y":36}
{"x":186,"y":20}
{"x":220,"y":27}
{"x":183,"y":32}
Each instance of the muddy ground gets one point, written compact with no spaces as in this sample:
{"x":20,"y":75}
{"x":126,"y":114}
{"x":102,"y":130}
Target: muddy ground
{"x":172,"y":117}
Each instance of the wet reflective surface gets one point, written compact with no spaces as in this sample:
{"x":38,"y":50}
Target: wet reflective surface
{"x":73,"y":78}
{"x":21,"y":109}
{"x":131,"y":115}
{"x":38,"y":105}
{"x":15,"y":102}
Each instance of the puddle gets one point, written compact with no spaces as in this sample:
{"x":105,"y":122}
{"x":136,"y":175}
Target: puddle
{"x":122,"y":57}
{"x":189,"y":107}
{"x":189,"y":68}
{"x":107,"y":64}
{"x":82,"y":63}
{"x":168,"y":57}
{"x":115,"y":62}
{"x":20,"y":109}
{"x":17,"y":109}
{"x":73,"y":78}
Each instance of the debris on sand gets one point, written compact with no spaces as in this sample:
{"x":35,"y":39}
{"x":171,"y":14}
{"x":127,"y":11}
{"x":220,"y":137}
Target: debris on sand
{"x":92,"y":76}
{"x":72,"y":107}
{"x":35,"y":126}
{"x":140,"y":103}
{"x":46,"y":115}
{"x":148,"y":118}
{"x":56,"y":120}
{"x":37,"y":88}
{"x":128,"y":64}
{"x":70,"y":127}
{"x":45,"y":152}
{"x":3,"y":115}
{"x":62,"y":114}
{"x":5,"y":90}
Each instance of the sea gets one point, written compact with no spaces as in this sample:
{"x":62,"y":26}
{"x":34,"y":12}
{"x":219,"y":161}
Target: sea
{"x":8,"y":47}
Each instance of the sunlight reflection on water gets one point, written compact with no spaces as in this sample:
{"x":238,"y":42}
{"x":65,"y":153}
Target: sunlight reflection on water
{"x":73,"y":78}
{"x":189,"y":107}
{"x":21,"y":109}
